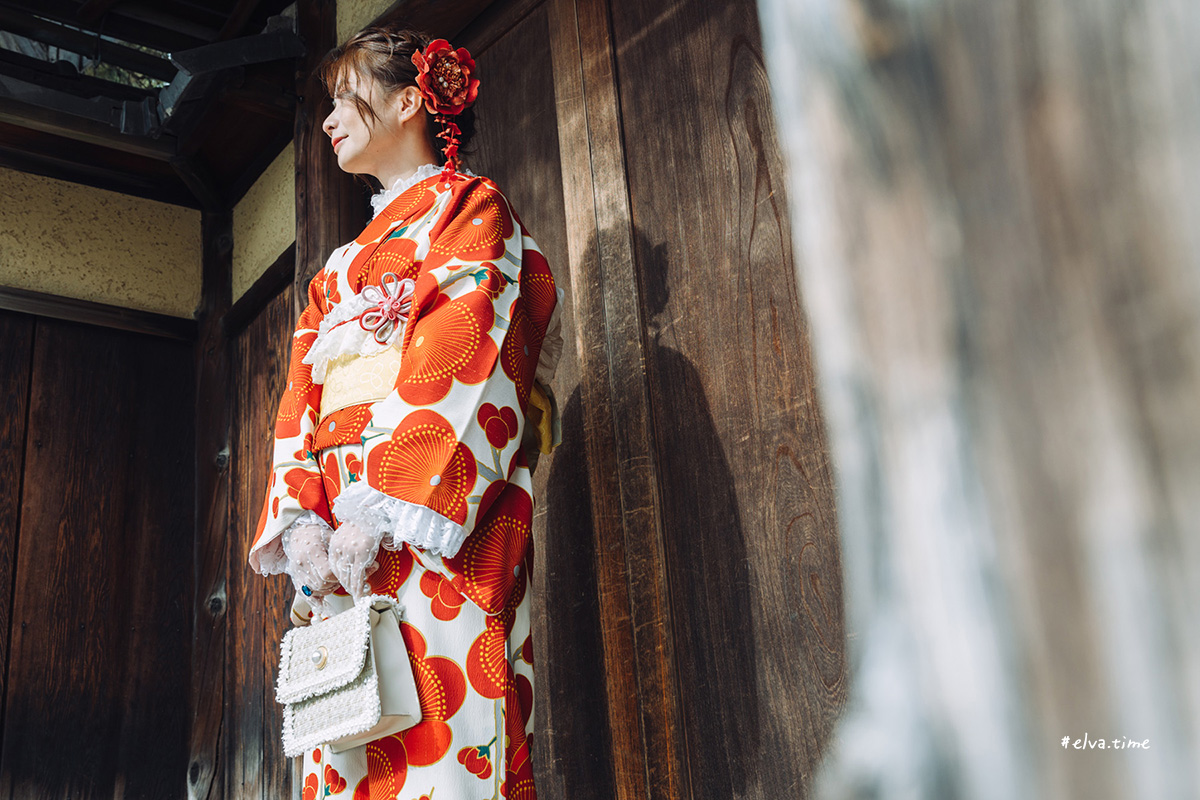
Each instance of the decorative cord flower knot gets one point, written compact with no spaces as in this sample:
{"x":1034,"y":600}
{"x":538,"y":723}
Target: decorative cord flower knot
{"x":393,"y":301}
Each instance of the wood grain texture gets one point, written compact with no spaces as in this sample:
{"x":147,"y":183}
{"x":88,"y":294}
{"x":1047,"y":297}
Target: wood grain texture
{"x":997,"y":247}
{"x":748,"y":507}
{"x":16,"y":365}
{"x":644,"y":705}
{"x":213,"y":412}
{"x":258,"y":606}
{"x":490,"y":26}
{"x":100,"y":648}
{"x":518,"y":147}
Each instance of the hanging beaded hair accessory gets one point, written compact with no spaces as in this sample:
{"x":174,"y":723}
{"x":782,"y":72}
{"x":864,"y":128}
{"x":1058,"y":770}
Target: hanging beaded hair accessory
{"x":446,"y":79}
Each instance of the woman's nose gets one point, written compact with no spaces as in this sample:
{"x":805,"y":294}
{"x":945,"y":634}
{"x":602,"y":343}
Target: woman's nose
{"x":328,"y":125}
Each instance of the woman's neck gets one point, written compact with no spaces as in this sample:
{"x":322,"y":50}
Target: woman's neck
{"x":404,"y":165}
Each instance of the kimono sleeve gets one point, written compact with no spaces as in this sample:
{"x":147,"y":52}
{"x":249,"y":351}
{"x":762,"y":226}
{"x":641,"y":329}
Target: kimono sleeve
{"x":295,"y":491}
{"x":445,"y":444}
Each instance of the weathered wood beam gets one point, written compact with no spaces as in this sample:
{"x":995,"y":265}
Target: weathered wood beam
{"x":93,"y":313}
{"x":155,"y":15}
{"x":115,"y":24}
{"x":50,"y":75}
{"x":237,"y":19}
{"x":260,"y":97}
{"x":89,"y":45}
{"x":262,"y":159}
{"x":277,"y":42}
{"x":93,"y":10}
{"x":197,"y":175}
{"x":96,"y":173}
{"x":38,"y":117}
{"x":444,"y":19}
{"x":214,"y":402}
{"x":493,"y":22}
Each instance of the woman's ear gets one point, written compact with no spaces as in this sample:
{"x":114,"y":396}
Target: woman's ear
{"x":408,"y":102}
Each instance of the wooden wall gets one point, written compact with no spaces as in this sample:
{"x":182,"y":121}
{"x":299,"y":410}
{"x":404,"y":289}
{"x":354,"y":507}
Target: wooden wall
{"x":96,"y":511}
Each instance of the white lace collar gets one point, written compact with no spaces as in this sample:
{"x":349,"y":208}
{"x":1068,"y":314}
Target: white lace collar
{"x":381,"y":199}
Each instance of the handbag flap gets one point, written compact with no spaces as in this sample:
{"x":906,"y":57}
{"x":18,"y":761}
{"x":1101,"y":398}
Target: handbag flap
{"x":323,"y":656}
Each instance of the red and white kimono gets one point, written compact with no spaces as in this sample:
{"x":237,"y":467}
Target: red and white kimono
{"x":418,"y":435}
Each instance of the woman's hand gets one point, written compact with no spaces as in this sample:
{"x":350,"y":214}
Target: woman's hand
{"x":352,"y":552}
{"x":308,"y":561}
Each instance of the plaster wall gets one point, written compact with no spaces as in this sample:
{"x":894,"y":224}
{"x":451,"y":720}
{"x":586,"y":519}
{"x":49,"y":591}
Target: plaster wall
{"x":264,"y":221}
{"x":354,"y":15}
{"x":78,"y":241}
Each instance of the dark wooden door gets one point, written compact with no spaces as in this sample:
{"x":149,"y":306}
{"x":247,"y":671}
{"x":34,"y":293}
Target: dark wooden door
{"x":96,"y":538}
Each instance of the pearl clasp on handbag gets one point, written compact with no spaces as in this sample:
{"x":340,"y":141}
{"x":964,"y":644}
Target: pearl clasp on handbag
{"x":320,"y":657}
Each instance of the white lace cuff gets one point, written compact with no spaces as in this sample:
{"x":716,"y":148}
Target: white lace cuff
{"x":271,"y":558}
{"x":397,"y":520}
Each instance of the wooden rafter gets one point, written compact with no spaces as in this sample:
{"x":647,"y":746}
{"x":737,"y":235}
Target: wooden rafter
{"x":90,"y":45}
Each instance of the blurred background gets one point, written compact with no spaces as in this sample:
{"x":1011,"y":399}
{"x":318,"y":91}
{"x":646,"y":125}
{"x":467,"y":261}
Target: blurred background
{"x":995,"y":215}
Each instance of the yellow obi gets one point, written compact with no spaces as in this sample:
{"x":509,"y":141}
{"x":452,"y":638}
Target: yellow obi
{"x":353,"y":378}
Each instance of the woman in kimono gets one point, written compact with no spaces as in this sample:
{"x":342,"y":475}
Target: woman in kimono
{"x":399,"y":464}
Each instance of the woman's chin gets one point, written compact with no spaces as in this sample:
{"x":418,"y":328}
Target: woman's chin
{"x":348,"y":163}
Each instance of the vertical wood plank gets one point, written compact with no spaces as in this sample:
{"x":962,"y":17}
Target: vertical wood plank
{"x":16,"y":331}
{"x":748,"y":510}
{"x":330,"y":207}
{"x":644,"y":705}
{"x":100,"y":650}
{"x":259,"y":606}
{"x":213,"y":413}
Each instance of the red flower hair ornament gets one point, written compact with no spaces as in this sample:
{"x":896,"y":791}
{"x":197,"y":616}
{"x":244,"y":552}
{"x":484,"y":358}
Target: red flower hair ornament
{"x":446,"y":79}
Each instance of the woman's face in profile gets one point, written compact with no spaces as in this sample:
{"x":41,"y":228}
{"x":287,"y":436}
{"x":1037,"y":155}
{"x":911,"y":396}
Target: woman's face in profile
{"x":358,"y":143}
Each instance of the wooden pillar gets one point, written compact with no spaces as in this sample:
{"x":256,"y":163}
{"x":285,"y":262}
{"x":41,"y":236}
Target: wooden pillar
{"x":213,"y":413}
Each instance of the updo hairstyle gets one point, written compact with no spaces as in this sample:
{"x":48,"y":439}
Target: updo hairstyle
{"x":384,"y":54}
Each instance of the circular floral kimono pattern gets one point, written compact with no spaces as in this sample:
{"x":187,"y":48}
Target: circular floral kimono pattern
{"x":473,"y":672}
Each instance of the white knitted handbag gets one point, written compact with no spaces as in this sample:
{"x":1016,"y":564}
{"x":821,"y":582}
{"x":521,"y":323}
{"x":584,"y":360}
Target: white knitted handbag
{"x":346,"y":680}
